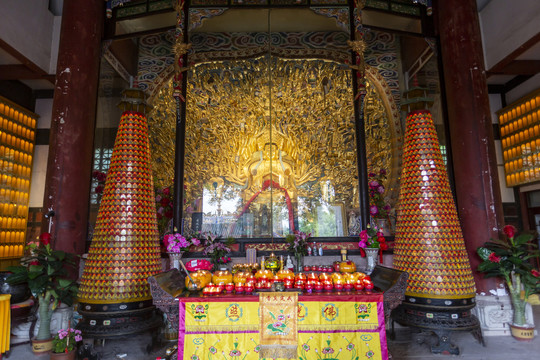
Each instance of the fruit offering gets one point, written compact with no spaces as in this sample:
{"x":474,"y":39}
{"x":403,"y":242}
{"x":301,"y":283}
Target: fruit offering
{"x":222,"y":276}
{"x":200,"y":277}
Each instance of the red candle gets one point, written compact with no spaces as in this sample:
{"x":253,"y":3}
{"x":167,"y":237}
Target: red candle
{"x":338,"y":286}
{"x":248,"y":288}
{"x":368,"y":285}
{"x":229,"y":287}
{"x":239,"y":288}
{"x":359,"y":285}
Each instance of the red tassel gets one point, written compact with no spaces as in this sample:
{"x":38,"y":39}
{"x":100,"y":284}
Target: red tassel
{"x":362,"y":252}
{"x":380,"y":256}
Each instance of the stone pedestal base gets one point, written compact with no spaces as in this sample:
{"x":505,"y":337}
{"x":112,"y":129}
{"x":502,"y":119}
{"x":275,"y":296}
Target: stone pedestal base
{"x":495,"y":313}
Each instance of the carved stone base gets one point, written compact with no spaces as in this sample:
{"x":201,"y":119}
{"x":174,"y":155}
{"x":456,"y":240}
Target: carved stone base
{"x":495,"y":312}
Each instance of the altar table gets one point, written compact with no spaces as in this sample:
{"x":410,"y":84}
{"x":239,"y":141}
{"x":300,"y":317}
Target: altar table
{"x":344,"y":326}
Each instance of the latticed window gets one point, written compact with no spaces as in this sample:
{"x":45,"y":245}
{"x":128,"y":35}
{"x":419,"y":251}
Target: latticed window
{"x":443,"y":153}
{"x":102,"y":160}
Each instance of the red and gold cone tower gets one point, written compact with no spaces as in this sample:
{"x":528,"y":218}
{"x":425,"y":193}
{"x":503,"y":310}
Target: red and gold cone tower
{"x":125,"y":247}
{"x":429,"y":243}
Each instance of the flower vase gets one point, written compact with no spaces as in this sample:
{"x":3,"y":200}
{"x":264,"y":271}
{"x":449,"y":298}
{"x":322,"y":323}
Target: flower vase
{"x":523,"y":332}
{"x":174,"y":260}
{"x":384,"y":226}
{"x":63,"y":356}
{"x":40,"y":347}
{"x":372,"y":255}
{"x":299,"y":264}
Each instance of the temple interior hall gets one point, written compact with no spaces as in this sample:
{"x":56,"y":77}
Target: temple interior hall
{"x":319,"y":138}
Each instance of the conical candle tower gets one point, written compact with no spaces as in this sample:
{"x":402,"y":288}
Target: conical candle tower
{"x":429,"y":243}
{"x":125,"y":251}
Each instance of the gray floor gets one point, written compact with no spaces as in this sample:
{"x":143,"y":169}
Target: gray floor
{"x":408,"y":344}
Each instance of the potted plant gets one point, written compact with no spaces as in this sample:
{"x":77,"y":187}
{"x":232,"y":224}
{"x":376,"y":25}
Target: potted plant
{"x":298,"y":243}
{"x":378,"y":208}
{"x":509,"y":260}
{"x":216,"y":250}
{"x":164,"y":209}
{"x":47,"y":277}
{"x":64,"y":344}
{"x":372,"y":242}
{"x":176,"y":244}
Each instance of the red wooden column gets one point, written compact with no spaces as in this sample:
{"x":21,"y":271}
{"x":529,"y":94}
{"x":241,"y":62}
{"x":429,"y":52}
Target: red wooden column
{"x":475,"y":169}
{"x":67,"y":186}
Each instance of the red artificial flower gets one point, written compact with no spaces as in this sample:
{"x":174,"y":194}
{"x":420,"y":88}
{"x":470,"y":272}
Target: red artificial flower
{"x":535,"y":273}
{"x":494,"y":258}
{"x":166,"y":191}
{"x":35,"y":262}
{"x":381,"y":239}
{"x":166,"y":240}
{"x":45,"y":238}
{"x":169,"y":214}
{"x":99,"y":189}
{"x":164,"y":202}
{"x":384,"y":246}
{"x":509,"y":231}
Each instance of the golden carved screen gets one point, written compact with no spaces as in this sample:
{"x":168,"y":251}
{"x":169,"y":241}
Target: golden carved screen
{"x":271,"y":141}
{"x":263,"y":160}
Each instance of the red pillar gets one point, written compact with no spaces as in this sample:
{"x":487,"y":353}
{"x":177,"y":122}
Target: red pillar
{"x":475,"y":169}
{"x":67,"y":186}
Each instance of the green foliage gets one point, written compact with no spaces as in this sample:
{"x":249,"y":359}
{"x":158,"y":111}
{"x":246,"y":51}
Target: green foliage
{"x":509,"y":260}
{"x":46,"y":274}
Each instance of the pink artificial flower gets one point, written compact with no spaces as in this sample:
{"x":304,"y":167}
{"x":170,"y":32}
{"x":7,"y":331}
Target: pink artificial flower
{"x":362,"y":244}
{"x":494,"y":258}
{"x":380,"y":189}
{"x":374,"y":184}
{"x":373,"y":210}
{"x":364,"y":235}
{"x":535,"y":273}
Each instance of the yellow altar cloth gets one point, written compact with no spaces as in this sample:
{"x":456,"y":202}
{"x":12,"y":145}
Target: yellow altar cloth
{"x":340,"y":326}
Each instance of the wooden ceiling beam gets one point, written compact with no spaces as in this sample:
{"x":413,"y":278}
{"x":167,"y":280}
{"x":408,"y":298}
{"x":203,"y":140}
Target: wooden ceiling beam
{"x":519,"y":67}
{"x":508,"y":59}
{"x":27,"y":70}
